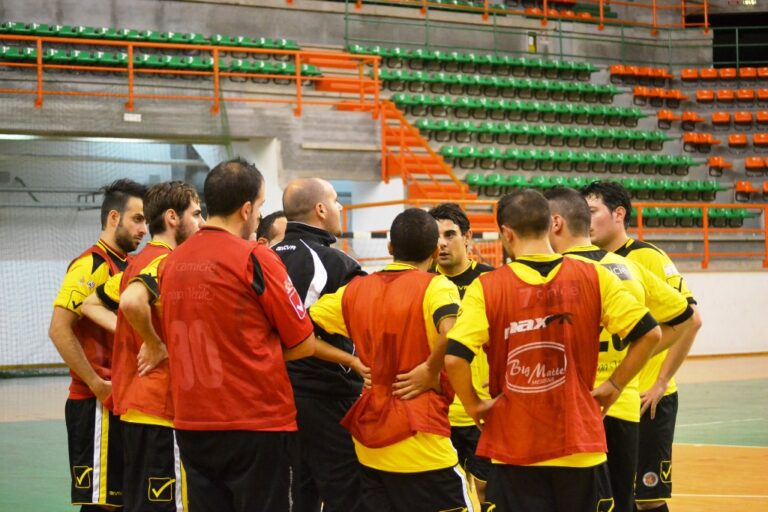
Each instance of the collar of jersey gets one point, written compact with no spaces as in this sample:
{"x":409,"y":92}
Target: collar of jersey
{"x":397,"y":266}
{"x":300,"y":229}
{"x":160,"y":243}
{"x":104,"y":245}
{"x":468,"y":267}
{"x":581,"y":248}
{"x":538,"y":257}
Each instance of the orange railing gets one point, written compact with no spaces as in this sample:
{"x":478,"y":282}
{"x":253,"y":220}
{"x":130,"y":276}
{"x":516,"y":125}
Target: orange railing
{"x":408,"y":137}
{"x":365,"y":90}
{"x":706,"y":255}
{"x":546,"y":12}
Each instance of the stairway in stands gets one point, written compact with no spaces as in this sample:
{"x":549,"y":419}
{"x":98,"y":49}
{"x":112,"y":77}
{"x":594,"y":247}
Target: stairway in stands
{"x":406,"y":153}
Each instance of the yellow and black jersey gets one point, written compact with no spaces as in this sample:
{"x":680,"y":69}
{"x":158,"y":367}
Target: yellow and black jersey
{"x":479,"y":366}
{"x":430,"y":451}
{"x":665,"y":303}
{"x":621,"y":314}
{"x":109,"y":292}
{"x":464,"y":278}
{"x":86,"y":273}
{"x":656,"y":261}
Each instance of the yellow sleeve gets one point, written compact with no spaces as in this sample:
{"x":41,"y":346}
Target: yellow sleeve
{"x":81,"y":281}
{"x":663,"y":267}
{"x":664,"y":302}
{"x":328,"y":314}
{"x":112,"y":288}
{"x":621,"y":311}
{"x":441,"y":299}
{"x":148,"y":277}
{"x":471,"y":328}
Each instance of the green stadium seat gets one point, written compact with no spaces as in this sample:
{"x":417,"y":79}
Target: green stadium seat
{"x":15,"y":28}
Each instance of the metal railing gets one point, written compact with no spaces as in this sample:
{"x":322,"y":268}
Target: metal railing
{"x":546,"y":13}
{"x":365,"y":90}
{"x":706,"y":230}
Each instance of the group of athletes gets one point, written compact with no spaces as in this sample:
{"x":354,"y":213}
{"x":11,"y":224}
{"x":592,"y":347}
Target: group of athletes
{"x":239,"y":365}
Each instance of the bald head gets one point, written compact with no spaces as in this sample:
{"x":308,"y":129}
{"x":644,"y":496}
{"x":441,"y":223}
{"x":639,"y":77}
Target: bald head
{"x":312,"y":201}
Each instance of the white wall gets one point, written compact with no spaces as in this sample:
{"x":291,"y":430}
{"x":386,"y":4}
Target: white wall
{"x":265,"y":154}
{"x":732,"y":305}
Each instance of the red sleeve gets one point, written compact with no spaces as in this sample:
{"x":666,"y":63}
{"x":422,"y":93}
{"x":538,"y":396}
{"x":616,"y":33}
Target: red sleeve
{"x":280,"y":301}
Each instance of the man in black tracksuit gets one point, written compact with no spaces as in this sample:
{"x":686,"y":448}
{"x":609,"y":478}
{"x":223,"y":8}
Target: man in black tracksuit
{"x":329,"y":470}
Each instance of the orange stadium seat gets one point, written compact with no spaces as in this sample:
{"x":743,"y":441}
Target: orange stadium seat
{"x":760,"y":141}
{"x":747,"y":74}
{"x":698,"y":142}
{"x":725,"y":96}
{"x":656,"y":96}
{"x":708,"y":74}
{"x":717,"y":164}
{"x":745,"y":95}
{"x":643,"y":75}
{"x":762,"y":95}
{"x":737,"y":142}
{"x":742,"y":119}
{"x":762,"y":73}
{"x":762,"y":117}
{"x":689,"y":75}
{"x":689,"y":120}
{"x":665,"y":119}
{"x":640,"y":95}
{"x":673,"y":97}
{"x":721,"y":120}
{"x":705,"y":96}
{"x":727,"y":74}
{"x":754,"y":165}
{"x":744,"y":190}
{"x":617,"y":72}
{"x":659,"y":76}
{"x":765,"y":190}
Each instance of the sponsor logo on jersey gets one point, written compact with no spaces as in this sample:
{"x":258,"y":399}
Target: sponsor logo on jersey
{"x":536,"y":367}
{"x":533,"y":324}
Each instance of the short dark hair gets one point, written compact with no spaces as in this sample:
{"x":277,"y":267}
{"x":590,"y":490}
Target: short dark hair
{"x":175,"y":195}
{"x":613,"y":195}
{"x":230,"y":185}
{"x":265,"y":225}
{"x":413,"y":235}
{"x":116,"y":196}
{"x":525,"y":211}
{"x":571,"y":205}
{"x":452,"y":212}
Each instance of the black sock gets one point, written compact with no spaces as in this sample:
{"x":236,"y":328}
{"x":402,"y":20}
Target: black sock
{"x":662,"y":508}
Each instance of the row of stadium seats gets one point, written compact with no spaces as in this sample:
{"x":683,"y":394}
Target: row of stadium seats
{"x":143,"y":36}
{"x":738,"y":142}
{"x":724,"y":75}
{"x":643,"y":75}
{"x":655,"y":189}
{"x":516,"y":110}
{"x":746,"y":191}
{"x":174,"y":62}
{"x":694,"y":217}
{"x":493,"y":86}
{"x":723,"y":120}
{"x":727,"y":97}
{"x":657,"y":96}
{"x":540,"y":135}
{"x":502,"y":65}
{"x":470,"y":157}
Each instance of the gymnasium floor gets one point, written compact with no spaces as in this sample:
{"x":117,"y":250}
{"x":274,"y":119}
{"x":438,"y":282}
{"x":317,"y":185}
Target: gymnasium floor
{"x":721,"y":451}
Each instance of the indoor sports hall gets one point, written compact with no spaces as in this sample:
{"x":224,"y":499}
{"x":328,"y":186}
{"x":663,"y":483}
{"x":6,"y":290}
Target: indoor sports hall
{"x":399,"y":104}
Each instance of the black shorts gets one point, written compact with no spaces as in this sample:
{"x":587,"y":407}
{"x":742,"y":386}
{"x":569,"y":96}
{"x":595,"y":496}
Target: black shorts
{"x":329,"y":471}
{"x":654,"y":467}
{"x":622,"y":437}
{"x":465,"y":440}
{"x":153,"y":480}
{"x":238,"y":471}
{"x":549,"y":489}
{"x":441,"y":490}
{"x":95,"y":453}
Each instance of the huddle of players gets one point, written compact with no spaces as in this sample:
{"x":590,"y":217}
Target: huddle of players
{"x":209,"y":422}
